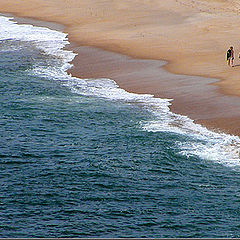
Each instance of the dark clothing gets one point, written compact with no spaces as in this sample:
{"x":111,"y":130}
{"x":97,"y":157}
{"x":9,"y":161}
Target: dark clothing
{"x":229,"y":53}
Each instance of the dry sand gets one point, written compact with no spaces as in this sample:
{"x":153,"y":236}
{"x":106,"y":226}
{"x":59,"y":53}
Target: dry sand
{"x":126,"y":41}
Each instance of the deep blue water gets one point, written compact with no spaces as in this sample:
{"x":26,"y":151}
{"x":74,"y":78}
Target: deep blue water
{"x":75,"y":165}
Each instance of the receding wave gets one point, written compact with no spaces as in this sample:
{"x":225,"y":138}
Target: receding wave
{"x":196,"y":140}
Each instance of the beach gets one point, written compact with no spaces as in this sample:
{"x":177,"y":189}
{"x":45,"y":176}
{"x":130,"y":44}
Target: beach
{"x":119,"y":119}
{"x":174,"y":49}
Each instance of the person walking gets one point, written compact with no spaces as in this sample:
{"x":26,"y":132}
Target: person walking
{"x":230,"y":56}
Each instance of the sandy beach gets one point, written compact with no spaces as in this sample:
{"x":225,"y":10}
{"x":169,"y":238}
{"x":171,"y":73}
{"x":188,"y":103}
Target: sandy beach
{"x":173,"y":49}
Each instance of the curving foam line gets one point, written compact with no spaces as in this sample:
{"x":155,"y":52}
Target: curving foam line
{"x":198,"y":141}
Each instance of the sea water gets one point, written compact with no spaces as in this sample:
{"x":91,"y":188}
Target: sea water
{"x":84,"y":158}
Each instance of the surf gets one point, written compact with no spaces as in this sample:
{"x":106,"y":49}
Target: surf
{"x":196,"y":140}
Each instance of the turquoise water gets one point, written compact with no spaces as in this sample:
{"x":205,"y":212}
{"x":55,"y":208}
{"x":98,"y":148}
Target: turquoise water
{"x":83,"y":158}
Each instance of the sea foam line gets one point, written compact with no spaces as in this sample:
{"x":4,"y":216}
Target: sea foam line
{"x":220,"y":147}
{"x":49,"y":41}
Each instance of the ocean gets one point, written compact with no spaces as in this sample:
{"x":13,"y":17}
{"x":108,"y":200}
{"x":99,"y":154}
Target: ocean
{"x":84,"y":158}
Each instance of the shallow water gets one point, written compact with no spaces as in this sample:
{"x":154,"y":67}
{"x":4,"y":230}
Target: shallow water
{"x":84,"y":158}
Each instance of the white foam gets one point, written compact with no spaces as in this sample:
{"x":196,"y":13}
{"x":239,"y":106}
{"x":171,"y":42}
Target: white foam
{"x":198,"y":140}
{"x":49,"y":41}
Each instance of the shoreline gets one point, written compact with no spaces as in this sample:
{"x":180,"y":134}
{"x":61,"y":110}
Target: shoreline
{"x":205,"y":100}
{"x":135,"y":79}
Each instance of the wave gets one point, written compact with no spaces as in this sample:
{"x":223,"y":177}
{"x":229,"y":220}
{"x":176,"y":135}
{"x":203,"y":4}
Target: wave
{"x":198,"y":140}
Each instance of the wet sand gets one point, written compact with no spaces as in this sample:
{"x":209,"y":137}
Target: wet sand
{"x":127,"y":41}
